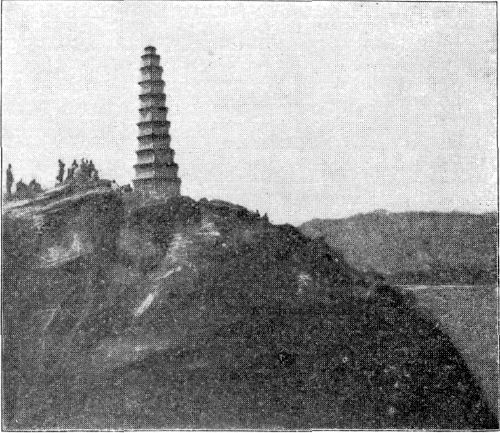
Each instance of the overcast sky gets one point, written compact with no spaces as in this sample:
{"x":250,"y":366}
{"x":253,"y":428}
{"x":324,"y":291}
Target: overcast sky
{"x":301,"y":110}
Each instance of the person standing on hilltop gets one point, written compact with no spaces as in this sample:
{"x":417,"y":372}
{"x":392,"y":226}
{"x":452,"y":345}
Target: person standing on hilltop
{"x":71,"y":171}
{"x":60,"y":176}
{"x":84,"y":168}
{"x":91,"y":169}
{"x":10,"y":181}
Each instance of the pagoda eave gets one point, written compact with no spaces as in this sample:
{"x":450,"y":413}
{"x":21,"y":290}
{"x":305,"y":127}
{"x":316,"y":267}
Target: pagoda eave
{"x":152,"y":150}
{"x":154,"y":164}
{"x":152,"y":96}
{"x":142,"y":109}
{"x":154,"y":137}
{"x":151,"y":67}
{"x":175,"y":179}
{"x":151,"y":82}
{"x":153,"y":122}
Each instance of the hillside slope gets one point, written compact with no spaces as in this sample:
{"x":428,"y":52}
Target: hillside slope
{"x":189,"y":314}
{"x":416,"y":247}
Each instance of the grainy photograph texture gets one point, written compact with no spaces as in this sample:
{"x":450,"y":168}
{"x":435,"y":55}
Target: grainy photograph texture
{"x":318,"y":252}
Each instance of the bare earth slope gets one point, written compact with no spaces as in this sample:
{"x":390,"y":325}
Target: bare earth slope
{"x":189,"y":314}
{"x":416,"y":247}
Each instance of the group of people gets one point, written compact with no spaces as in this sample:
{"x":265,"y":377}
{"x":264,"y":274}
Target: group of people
{"x":83,"y":172}
{"x":23,"y":190}
{"x":79,"y":173}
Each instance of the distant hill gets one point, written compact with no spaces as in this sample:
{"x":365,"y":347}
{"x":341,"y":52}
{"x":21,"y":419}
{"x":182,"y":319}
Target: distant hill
{"x":415,"y":247}
{"x":121,"y":314}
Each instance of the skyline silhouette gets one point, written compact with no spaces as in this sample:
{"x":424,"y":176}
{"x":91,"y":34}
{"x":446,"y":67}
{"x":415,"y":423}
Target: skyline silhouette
{"x":302,"y":111}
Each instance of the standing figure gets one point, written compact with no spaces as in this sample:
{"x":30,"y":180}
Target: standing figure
{"x":84,"y":168}
{"x":71,"y":171}
{"x":60,"y":176}
{"x":87,"y":166}
{"x":91,"y":169}
{"x":10,"y":181}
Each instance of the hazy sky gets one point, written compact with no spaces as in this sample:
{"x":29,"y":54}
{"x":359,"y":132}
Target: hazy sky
{"x":300,"y":110}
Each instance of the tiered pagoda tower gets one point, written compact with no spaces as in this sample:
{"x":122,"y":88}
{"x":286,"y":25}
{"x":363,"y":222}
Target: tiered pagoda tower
{"x":155,"y":171}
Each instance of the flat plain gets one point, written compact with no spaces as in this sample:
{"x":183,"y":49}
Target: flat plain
{"x":468,"y":314}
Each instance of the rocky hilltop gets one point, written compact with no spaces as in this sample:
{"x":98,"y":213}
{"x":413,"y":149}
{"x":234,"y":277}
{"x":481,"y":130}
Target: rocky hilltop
{"x":183,"y":314}
{"x":416,"y":247}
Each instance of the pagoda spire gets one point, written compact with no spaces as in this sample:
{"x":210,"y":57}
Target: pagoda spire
{"x":155,"y":171}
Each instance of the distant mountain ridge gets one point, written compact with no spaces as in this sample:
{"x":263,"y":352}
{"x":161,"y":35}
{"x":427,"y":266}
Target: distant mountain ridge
{"x":416,"y":247}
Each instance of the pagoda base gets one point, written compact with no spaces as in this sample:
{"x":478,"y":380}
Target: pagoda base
{"x":159,"y":187}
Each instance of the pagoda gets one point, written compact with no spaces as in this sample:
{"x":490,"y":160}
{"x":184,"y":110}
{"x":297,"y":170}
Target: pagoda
{"x":155,"y":171}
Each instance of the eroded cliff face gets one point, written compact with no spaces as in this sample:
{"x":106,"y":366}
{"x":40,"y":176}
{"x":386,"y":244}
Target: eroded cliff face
{"x":186,"y":314}
{"x":54,"y":253}
{"x":48,"y":233}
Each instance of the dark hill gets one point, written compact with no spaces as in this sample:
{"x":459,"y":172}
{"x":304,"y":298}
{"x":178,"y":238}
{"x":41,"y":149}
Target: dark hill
{"x":187,"y":314}
{"x":416,"y":247}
